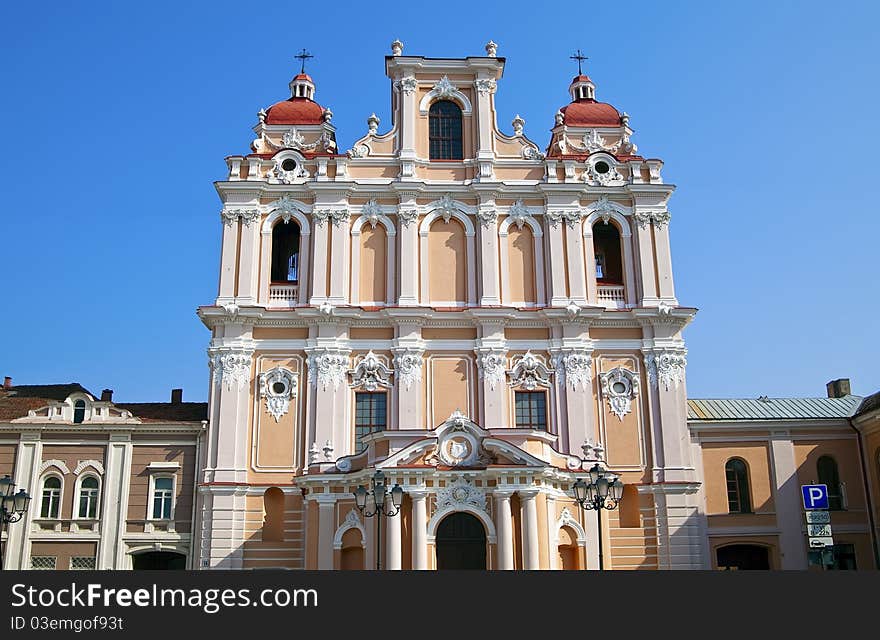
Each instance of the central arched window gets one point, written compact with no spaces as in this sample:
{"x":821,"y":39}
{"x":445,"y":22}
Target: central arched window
{"x":285,"y":252}
{"x":826,"y":467}
{"x":88,"y":498}
{"x":444,"y":131}
{"x":79,"y":411}
{"x":606,"y":246}
{"x":51,"y":497}
{"x":737,"y":476}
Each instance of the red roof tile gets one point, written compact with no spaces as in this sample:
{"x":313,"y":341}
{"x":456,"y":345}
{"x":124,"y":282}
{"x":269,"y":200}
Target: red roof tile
{"x":295,"y":111}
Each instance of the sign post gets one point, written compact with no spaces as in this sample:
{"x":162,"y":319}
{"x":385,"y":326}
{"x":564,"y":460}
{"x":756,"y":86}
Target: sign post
{"x":819,"y":538}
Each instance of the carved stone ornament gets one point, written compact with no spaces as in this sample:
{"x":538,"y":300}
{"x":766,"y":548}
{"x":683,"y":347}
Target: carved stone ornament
{"x":491,"y":49}
{"x":447,"y":207}
{"x":247,"y":216}
{"x":286,"y":206}
{"x":611,"y":177}
{"x":327,"y":368}
{"x":370,"y":373}
{"x":485,"y":86}
{"x":658,"y":218}
{"x":518,"y":124}
{"x":666,"y":366}
{"x":359,"y":151}
{"x":293,"y":139}
{"x":593,"y":451}
{"x":575,"y":368}
{"x":532,"y":153}
{"x":336,"y":216}
{"x":407,"y":85}
{"x":619,"y":387}
{"x":444,"y":88}
{"x":529,"y":372}
{"x":407,"y":215}
{"x":492,"y":367}
{"x":279,"y":174}
{"x":487,"y":216}
{"x":571,"y":217}
{"x":604,"y":208}
{"x":461,"y":492}
{"x":278,"y":387}
{"x":518,"y":213}
{"x":408,"y":366}
{"x":373,"y":123}
{"x":593,"y":142}
{"x":232,"y":366}
{"x":372,"y":211}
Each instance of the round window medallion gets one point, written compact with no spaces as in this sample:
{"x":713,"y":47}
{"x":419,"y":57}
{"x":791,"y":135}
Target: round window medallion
{"x":619,"y":387}
{"x":290,"y":164}
{"x":279,"y":387}
{"x":601,"y":167}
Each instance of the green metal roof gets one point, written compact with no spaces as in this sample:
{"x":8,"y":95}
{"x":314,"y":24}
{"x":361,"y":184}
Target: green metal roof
{"x":772,"y":408}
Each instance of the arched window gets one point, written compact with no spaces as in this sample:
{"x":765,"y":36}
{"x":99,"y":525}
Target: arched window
{"x":88,"y":498}
{"x":444,"y":131}
{"x":79,"y":411}
{"x":51,"y":497}
{"x":737,"y":475}
{"x":826,"y":467}
{"x":607,"y":247}
{"x":285,"y":252}
{"x":273,"y":521}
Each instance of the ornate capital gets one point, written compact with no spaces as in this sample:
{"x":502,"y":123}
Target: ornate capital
{"x":408,"y":365}
{"x":407,"y":215}
{"x":574,"y":367}
{"x":570,"y":216}
{"x":231,"y":365}
{"x":491,"y":364}
{"x":247,"y":216}
{"x":485,"y":86}
{"x":487,"y":216}
{"x":407,"y":85}
{"x":658,"y":218}
{"x":335,"y":216}
{"x":327,"y":366}
{"x":371,"y":373}
{"x":666,"y":366}
{"x":278,"y":386}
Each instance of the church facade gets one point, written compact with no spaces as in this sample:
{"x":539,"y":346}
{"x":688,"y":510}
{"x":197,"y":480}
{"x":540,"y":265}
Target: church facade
{"x":476,"y":317}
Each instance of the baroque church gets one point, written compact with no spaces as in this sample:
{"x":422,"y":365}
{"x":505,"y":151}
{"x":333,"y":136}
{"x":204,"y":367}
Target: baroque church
{"x":470,"y":317}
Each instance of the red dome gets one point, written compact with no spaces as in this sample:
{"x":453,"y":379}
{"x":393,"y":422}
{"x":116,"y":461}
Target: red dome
{"x":303,"y":76}
{"x":589,"y":113}
{"x":295,"y":111}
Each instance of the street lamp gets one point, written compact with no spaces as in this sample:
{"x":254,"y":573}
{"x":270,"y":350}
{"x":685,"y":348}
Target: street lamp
{"x":385,"y":504}
{"x":13,"y":506}
{"x":604,"y":491}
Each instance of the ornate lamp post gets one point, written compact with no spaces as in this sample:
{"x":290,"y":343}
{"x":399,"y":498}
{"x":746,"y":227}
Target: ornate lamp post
{"x":13,"y":506}
{"x":385,"y":504}
{"x":604,"y":491}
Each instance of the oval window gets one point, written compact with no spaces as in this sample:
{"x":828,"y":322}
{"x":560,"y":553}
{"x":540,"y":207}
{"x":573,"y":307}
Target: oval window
{"x":279,"y":388}
{"x":288,"y":165}
{"x":602,"y":167}
{"x":619,"y":387}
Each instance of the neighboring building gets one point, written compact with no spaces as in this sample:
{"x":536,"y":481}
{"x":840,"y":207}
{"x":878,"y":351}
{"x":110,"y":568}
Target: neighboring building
{"x":479,"y":317}
{"x":111,"y":483}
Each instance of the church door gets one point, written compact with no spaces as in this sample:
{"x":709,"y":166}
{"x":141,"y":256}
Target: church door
{"x":159,"y":560}
{"x":461,"y":542}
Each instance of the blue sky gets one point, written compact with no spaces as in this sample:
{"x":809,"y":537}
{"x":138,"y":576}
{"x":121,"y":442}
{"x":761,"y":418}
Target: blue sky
{"x":116,"y":118}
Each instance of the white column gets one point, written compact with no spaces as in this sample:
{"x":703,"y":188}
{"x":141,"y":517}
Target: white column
{"x":552,"y":534}
{"x":558,"y":292}
{"x":266,"y":266}
{"x":629,"y":278}
{"x":792,"y":543}
{"x":646,"y":265}
{"x":489,"y":242}
{"x":472,"y":269}
{"x":504,"y":525}
{"x":228,"y":262}
{"x":326,"y":529}
{"x":393,"y":560}
{"x":540,"y":295}
{"x":664,"y":264}
{"x":117,"y":469}
{"x":590,"y":261}
{"x":330,"y":398}
{"x":531,"y":552}
{"x":248,"y":262}
{"x":339,"y":263}
{"x":576,"y":280}
{"x":419,"y":529}
{"x":390,"y":267}
{"x":409,"y":263}
{"x":355,"y":289}
{"x":26,"y":476}
{"x":231,"y":379}
{"x":319,"y":264}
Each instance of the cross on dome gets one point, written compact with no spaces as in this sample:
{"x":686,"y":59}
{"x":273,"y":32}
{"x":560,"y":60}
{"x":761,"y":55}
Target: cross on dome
{"x":580,"y":57}
{"x":303,"y":56}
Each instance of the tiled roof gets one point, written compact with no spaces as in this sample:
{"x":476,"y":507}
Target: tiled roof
{"x":167,"y":411}
{"x":772,"y":408}
{"x":871,"y":403}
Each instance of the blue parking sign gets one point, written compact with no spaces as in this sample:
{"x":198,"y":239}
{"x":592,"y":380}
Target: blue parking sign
{"x":815,"y":496}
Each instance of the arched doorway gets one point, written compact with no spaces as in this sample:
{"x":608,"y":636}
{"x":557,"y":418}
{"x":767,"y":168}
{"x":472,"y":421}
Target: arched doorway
{"x":743,"y":556}
{"x":159,"y":560}
{"x":568,"y":550}
{"x":461,"y":542}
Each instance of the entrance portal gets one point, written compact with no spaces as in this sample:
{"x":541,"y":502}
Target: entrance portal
{"x":461,"y":542}
{"x":743,"y":556}
{"x":158,"y":560}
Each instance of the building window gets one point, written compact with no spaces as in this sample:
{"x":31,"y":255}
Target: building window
{"x":285,"y":252}
{"x":444,"y":131}
{"x":82,"y":563}
{"x":370,"y":416}
{"x":51,"y":497}
{"x":607,"y":248}
{"x":163,"y":497}
{"x":79,"y":411}
{"x":43,"y":563}
{"x":88,"y":498}
{"x":826,"y":467}
{"x":737,"y":475}
{"x":531,"y":410}
{"x":838,"y":557}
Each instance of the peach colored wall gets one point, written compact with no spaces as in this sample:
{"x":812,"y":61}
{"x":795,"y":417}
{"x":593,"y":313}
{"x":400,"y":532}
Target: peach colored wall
{"x":451,"y":376}
{"x":845,"y":452}
{"x":449,"y":334}
{"x":521,"y":265}
{"x":527,"y":334}
{"x":276,"y":441}
{"x":502,"y":173}
{"x":757,"y":458}
{"x":355,"y":172}
{"x":64,"y":551}
{"x":141,"y":457}
{"x":288,"y":553}
{"x":623,"y":437}
{"x":291,"y":333}
{"x":71,"y":455}
{"x":447,"y":261}
{"x":599,"y":333}
{"x":872,"y":462}
{"x":373,"y":260}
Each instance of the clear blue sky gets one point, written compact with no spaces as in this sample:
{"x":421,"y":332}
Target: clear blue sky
{"x":116,"y":118}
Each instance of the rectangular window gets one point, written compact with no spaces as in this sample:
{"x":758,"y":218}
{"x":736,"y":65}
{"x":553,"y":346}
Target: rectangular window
{"x":531,"y":410}
{"x":51,"y":503}
{"x":839,"y":557}
{"x":370,"y":416}
{"x":43,"y":563}
{"x":163,"y":497}
{"x":82,"y":563}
